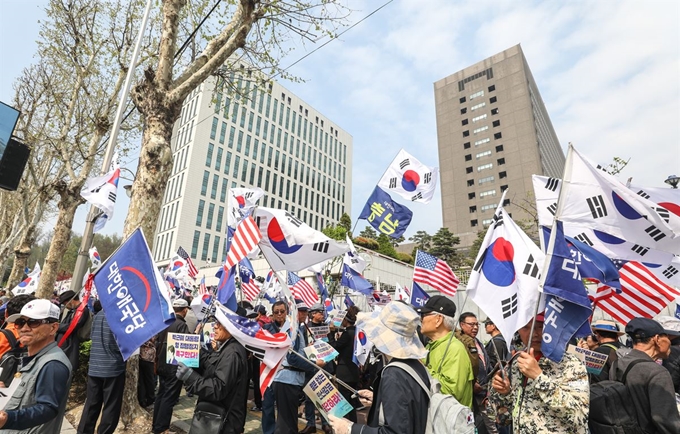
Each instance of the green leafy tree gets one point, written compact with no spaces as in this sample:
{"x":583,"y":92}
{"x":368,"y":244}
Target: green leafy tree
{"x":397,"y":241}
{"x":443,"y":243}
{"x":346,"y":222}
{"x":405,"y":257}
{"x":369,"y":232}
{"x":368,"y":243}
{"x":386,"y":247}
{"x":422,"y":240}
{"x":335,"y":232}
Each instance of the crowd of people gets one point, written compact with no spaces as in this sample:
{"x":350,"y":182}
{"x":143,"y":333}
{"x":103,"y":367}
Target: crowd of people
{"x":510,"y":388}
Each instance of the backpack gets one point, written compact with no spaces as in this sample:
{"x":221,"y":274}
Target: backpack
{"x":11,"y":360}
{"x":86,"y":330}
{"x":612,"y":410}
{"x":445,"y":415}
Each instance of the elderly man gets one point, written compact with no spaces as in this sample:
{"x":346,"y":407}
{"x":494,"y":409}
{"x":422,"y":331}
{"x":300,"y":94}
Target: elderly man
{"x":72,"y":337}
{"x":447,"y":360}
{"x":39,"y":403}
{"x":542,"y":396}
{"x":607,"y":333}
{"x":317,"y":315}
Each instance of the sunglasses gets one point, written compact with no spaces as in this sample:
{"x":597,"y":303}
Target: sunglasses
{"x":32,"y":323}
{"x":278,"y":312}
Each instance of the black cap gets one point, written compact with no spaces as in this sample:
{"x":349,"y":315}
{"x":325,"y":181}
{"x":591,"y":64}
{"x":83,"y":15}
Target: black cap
{"x":438,"y":304}
{"x":488,"y":321}
{"x":66,"y":296}
{"x":643,"y":328}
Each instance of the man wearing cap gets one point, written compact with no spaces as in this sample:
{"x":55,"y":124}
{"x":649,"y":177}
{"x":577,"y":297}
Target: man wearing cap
{"x":39,"y":403}
{"x":279,"y":314}
{"x":71,"y":345}
{"x":650,"y":384}
{"x":607,"y":333}
{"x":169,"y":387}
{"x":398,"y":403}
{"x":316,"y":319}
{"x":542,"y":397}
{"x":447,"y":360}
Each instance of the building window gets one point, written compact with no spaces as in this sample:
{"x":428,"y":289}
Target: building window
{"x":496,"y":124}
{"x":463,"y":110}
{"x":478,"y":106}
{"x":484,"y":167}
{"x":487,"y":179}
{"x":466,"y":133}
{"x":466,"y":145}
{"x":480,"y":129}
{"x":464,"y":122}
{"x":220,"y":215}
{"x":499,"y":148}
{"x":477,"y":94}
{"x":492,"y":88}
{"x":199,"y":214}
{"x":502,"y":175}
{"x":504,"y":187}
{"x":473,"y":223}
{"x":194,"y":245}
{"x":471,"y":182}
{"x":481,"y":142}
{"x":462,"y":100}
{"x":494,"y":111}
{"x":218,"y":163}
{"x":468,"y":170}
{"x":473,"y":208}
{"x":487,"y":193}
{"x":497,"y":136}
{"x":501,"y":161}
{"x":209,"y":218}
{"x":506,"y":202}
{"x":468,"y":157}
{"x":487,"y":222}
{"x":492,"y":100}
{"x":213,"y":131}
{"x":479,"y":118}
{"x":204,"y":186}
{"x":206,"y":244}
{"x":488,"y":207}
{"x":216,"y":249}
{"x":471,"y":195}
{"x":209,"y":155}
{"x":482,"y":154}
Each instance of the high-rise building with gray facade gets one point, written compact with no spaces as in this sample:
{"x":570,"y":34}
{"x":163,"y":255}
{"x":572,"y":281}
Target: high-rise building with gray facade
{"x":270,"y":139}
{"x":493,"y":133}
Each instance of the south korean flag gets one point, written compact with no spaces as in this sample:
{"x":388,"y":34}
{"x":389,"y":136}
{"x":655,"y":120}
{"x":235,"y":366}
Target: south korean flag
{"x":409,"y":178}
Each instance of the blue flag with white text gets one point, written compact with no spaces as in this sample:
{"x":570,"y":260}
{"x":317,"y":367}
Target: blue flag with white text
{"x":385,"y":215}
{"x":567,"y":307}
{"x":355,"y":281}
{"x":348,"y":301}
{"x":133,"y":295}
{"x":418,"y":296}
{"x":677,"y":310}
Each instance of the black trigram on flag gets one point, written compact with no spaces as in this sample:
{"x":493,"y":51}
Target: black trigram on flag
{"x":643,"y":194}
{"x":404,"y":163}
{"x":601,"y":168}
{"x":393,"y":182}
{"x":552,"y":209}
{"x":480,"y":261}
{"x":663,"y":213}
{"x":497,"y":220}
{"x":640,"y":250}
{"x":552,"y":184}
{"x":670,"y":271}
{"x":112,"y":196}
{"x":531,"y":268}
{"x":584,"y":239}
{"x":655,"y":233}
{"x":257,"y":352}
{"x":294,"y":220}
{"x":321,"y":247}
{"x":417,"y":196}
{"x":509,"y":306}
{"x":427,"y":178}
{"x":597,"y":206}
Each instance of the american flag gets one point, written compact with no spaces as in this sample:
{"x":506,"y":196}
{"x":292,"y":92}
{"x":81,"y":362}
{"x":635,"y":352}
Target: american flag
{"x":193,"y":271}
{"x":248,"y":284}
{"x":245,"y":240}
{"x":269,"y":349}
{"x":435,"y":272}
{"x":202,"y":290}
{"x":642,"y":293}
{"x":302,"y":290}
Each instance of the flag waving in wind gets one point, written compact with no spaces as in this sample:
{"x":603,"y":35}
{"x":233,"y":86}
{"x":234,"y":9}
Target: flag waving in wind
{"x":385,"y":215}
{"x":245,"y":240}
{"x":30,"y":283}
{"x":240,"y":203}
{"x":101,"y":192}
{"x":435,"y":272}
{"x":193,"y":271}
{"x":301,"y":289}
{"x":248,"y":283}
{"x":418,"y":296}
{"x":410,"y":179}
{"x":355,"y":281}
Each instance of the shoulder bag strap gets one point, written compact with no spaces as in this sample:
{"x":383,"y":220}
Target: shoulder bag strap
{"x":10,"y":338}
{"x":630,"y":366}
{"x":441,"y":362}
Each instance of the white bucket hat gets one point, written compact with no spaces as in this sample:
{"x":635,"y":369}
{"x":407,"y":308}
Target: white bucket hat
{"x":393,"y":331}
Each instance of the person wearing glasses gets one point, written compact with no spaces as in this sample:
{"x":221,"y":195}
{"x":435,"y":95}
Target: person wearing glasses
{"x":279,"y":313}
{"x":469,"y":326}
{"x":39,"y":402}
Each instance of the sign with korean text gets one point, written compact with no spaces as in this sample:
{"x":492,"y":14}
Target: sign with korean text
{"x":327,"y":399}
{"x":321,"y":350}
{"x":385,"y":215}
{"x":320,"y":332}
{"x":594,"y":361}
{"x":183,"y":348}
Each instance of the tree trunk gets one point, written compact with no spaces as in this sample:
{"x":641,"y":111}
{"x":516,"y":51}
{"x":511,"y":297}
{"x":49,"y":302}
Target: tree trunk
{"x":68,"y":204}
{"x":21,"y":254}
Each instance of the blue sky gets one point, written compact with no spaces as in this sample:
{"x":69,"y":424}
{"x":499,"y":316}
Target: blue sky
{"x":608,"y":72}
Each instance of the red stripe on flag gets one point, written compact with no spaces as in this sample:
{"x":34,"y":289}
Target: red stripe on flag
{"x":441,"y":278}
{"x":245,"y":240}
{"x":304,"y":291}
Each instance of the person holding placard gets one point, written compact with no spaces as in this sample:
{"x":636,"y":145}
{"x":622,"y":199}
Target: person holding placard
{"x":316,"y":322}
{"x":347,"y":371}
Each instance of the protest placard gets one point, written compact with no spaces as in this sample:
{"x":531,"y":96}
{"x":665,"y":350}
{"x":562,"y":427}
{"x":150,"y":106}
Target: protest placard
{"x":320,"y":332}
{"x":326,"y":397}
{"x":321,"y":350}
{"x":338,"y":318}
{"x":183,"y":348}
{"x":594,"y":361}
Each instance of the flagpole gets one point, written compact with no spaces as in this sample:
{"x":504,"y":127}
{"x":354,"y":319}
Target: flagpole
{"x":328,"y":374}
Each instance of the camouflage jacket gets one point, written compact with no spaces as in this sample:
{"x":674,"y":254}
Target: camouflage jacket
{"x":555,"y":402}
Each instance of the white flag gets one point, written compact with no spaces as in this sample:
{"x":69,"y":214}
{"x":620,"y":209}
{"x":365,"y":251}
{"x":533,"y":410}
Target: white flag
{"x":401,"y":294}
{"x":94,"y":257}
{"x":240,"y":202}
{"x":30,"y":283}
{"x":101,"y":191}
{"x":178,"y":268}
{"x":594,"y":199}
{"x":362,"y":347}
{"x":290,"y":244}
{"x":352,"y":258}
{"x":410,"y":179}
{"x":504,"y":280}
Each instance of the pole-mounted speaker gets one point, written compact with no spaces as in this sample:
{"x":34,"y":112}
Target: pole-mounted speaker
{"x":12,"y":164}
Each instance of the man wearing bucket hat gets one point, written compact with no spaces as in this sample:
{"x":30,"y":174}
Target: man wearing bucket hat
{"x":400,"y":404}
{"x":39,"y":403}
{"x":650,"y":384}
{"x":607,"y":333}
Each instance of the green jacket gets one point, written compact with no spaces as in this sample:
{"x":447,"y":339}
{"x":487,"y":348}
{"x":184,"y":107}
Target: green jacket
{"x":455,"y":373}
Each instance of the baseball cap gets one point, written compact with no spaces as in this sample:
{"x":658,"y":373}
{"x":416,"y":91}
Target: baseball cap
{"x":180,"y":302}
{"x":66,"y":296}
{"x":318,"y":307}
{"x":487,"y":321}
{"x":438,"y":304}
{"x":605,"y":325}
{"x":642,"y":328}
{"x":301,"y":305}
{"x":37,"y":309}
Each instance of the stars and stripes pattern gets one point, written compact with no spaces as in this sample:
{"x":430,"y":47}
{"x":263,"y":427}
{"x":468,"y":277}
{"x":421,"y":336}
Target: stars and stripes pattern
{"x":435,"y":272}
{"x":642,"y":293}
{"x":193,"y":271}
{"x":302,"y":289}
{"x":202,"y":289}
{"x":245,"y":240}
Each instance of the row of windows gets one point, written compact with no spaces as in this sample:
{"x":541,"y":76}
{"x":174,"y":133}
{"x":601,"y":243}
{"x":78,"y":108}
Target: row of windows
{"x":484,"y":208}
{"x":501,"y":175}
{"x":466,"y":133}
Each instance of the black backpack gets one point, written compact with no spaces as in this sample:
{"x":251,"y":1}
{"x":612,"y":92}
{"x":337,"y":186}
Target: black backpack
{"x":612,"y":410}
{"x":11,"y":360}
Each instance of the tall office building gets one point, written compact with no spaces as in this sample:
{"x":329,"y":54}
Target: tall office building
{"x":273,"y":140}
{"x":493,"y":133}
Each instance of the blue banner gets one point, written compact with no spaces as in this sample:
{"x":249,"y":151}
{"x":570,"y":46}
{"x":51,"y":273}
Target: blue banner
{"x":385,"y":215}
{"x":348,"y":301}
{"x":418,"y":296}
{"x":677,"y":310}
{"x":567,"y":307}
{"x":133,"y":295}
{"x":355,"y":281}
